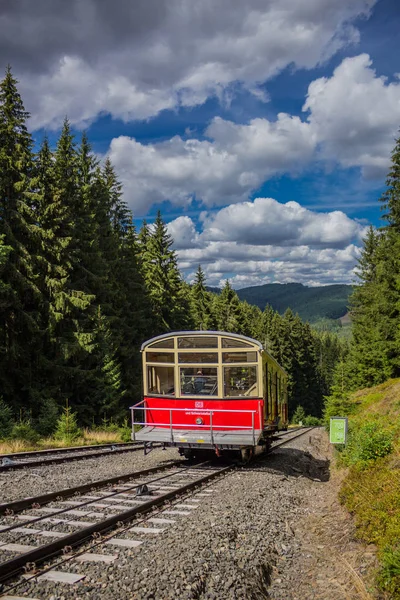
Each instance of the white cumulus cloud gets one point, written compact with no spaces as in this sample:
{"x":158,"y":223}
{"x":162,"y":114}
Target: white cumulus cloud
{"x":352,"y":120}
{"x":264,"y":241}
{"x":355,"y":115}
{"x":235,"y":160}
{"x":134,"y":59}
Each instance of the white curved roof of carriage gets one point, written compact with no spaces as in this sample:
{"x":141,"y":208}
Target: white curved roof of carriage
{"x":236,"y":336}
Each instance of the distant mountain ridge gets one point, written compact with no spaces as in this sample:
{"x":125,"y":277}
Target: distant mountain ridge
{"x":311,"y":303}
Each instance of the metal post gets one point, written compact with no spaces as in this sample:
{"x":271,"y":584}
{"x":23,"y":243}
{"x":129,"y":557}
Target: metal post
{"x":170,"y":424}
{"x":252,"y":426}
{"x":211,"y":429}
{"x":133,"y":436}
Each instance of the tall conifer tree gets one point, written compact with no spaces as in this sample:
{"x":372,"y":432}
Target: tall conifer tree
{"x":201,"y":302}
{"x":21,"y":300}
{"x":162,"y":277}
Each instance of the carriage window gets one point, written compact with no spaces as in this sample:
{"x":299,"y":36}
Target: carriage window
{"x":239,"y":357}
{"x":231,"y":343}
{"x":198,"y":357}
{"x":161,"y":357}
{"x":168,"y":343}
{"x":240,"y":381}
{"x":197,"y":381}
{"x":198,"y":342}
{"x":160,"y":381}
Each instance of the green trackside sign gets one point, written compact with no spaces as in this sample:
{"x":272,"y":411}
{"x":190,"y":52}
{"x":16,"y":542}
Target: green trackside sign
{"x":338,"y":430}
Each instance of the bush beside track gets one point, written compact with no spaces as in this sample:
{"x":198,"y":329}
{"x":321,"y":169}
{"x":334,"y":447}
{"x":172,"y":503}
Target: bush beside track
{"x":371,"y":488}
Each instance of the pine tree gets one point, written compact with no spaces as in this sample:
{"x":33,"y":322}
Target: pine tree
{"x":119,"y":214}
{"x":391,"y":197}
{"x":136,"y":320}
{"x":4,"y":287}
{"x":20,"y":299}
{"x":163,"y":281}
{"x":201,"y":302}
{"x":132,"y":320}
{"x":73,"y":335}
{"x":228,"y":310}
{"x":373,"y":307}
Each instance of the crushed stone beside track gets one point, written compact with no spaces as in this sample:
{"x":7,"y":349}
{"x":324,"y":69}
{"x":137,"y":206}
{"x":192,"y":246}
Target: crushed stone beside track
{"x":274,"y":530}
{"x":48,"y":478}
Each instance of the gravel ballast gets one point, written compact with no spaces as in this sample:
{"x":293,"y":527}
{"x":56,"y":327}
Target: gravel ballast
{"x":271,"y":530}
{"x":48,"y":478}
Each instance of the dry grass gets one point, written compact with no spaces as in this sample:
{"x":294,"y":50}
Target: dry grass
{"x":15,"y":446}
{"x":88,"y":438}
{"x":101,"y":437}
{"x":359,"y":585}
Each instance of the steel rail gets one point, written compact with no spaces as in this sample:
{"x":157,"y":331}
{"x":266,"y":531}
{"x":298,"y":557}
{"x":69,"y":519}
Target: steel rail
{"x":86,"y":503}
{"x":15,"y":565}
{"x":64,"y":450}
{"x":67,"y":458}
{"x":16,"y":506}
{"x":277,"y":445}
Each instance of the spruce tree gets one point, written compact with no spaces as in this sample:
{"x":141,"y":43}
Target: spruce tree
{"x":132,"y":321}
{"x":136,"y":319}
{"x":73,"y":334}
{"x":163,"y":281}
{"x":201,"y":302}
{"x":20,"y":300}
{"x":229,"y":313}
{"x":391,"y":197}
{"x":373,"y":308}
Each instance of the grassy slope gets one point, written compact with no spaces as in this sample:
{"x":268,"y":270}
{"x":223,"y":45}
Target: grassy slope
{"x":371,"y":490}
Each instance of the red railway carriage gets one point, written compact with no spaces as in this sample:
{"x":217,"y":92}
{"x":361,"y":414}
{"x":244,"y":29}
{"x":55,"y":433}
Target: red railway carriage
{"x":210,"y":390}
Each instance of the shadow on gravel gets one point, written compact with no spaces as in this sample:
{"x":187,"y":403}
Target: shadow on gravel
{"x":293,"y":463}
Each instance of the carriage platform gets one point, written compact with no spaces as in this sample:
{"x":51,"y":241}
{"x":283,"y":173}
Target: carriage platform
{"x":190,"y":438}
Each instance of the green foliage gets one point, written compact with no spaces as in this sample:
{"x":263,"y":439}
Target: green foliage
{"x":375,"y":303}
{"x":201,"y":299}
{"x":24,"y":431}
{"x":168,"y":297}
{"x":126,"y":434}
{"x":366,"y":443}
{"x":299,"y":416}
{"x":6,"y":420}
{"x":20,"y":297}
{"x":80,"y":290}
{"x":311,"y":304}
{"x":67,"y":428}
{"x":310,"y":421}
{"x":371,"y":488}
{"x":124,"y":429}
{"x":389,"y":575}
{"x":46,"y":422}
{"x":228,"y":310}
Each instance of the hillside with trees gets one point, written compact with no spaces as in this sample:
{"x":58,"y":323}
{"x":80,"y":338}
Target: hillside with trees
{"x":310,"y":303}
{"x":81,"y":289}
{"x":371,"y":487}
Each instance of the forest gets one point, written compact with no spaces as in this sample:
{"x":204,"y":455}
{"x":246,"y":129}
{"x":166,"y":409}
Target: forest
{"x":81,"y":289}
{"x":373,"y":356}
{"x":312,"y":304}
{"x":366,"y":389}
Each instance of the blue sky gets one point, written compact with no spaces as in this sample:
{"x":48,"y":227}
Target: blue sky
{"x":262,"y":130}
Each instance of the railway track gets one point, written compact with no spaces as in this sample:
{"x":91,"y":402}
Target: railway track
{"x":109,"y":511}
{"x":39,"y":458}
